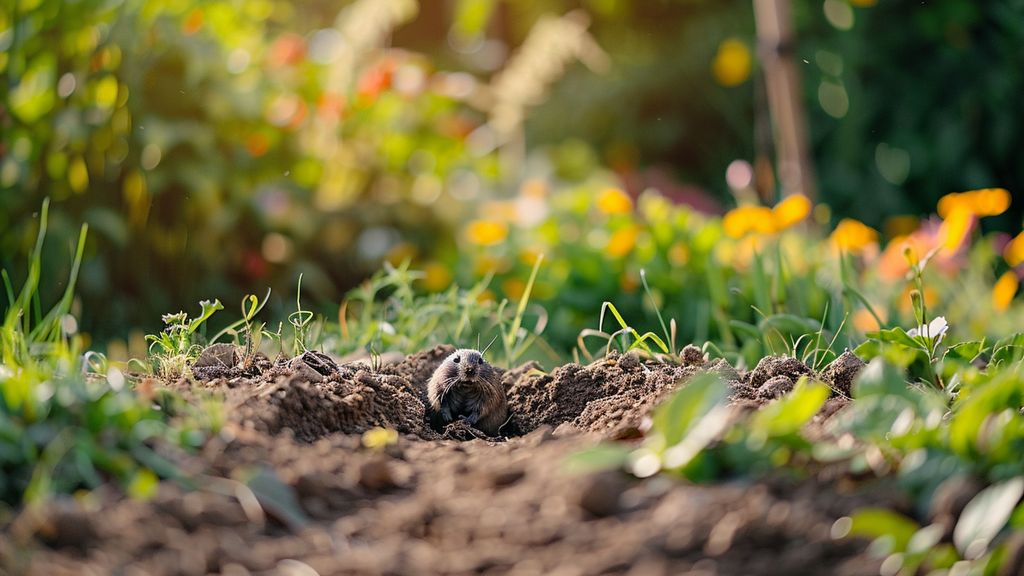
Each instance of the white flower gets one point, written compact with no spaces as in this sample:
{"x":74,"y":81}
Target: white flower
{"x":935,"y":330}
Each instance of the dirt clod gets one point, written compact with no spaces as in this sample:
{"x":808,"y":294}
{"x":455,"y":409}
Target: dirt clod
{"x":775,"y":387}
{"x":772,"y":366}
{"x":841,"y":373}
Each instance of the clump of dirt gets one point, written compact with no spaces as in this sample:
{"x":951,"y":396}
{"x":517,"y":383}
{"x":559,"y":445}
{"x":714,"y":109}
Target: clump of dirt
{"x":842,"y":371}
{"x":610,"y":396}
{"x":772,"y":366}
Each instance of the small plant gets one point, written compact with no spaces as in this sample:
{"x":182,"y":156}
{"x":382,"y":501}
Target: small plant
{"x":300,"y":321}
{"x":176,"y":346}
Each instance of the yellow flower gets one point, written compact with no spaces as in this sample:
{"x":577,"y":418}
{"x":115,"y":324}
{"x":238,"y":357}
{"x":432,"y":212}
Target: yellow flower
{"x":513,"y":288}
{"x":486,"y":232}
{"x":614,"y":201}
{"x":732,"y":63}
{"x":864,"y":3}
{"x":486,"y":297}
{"x":1004,"y":290}
{"x":955,"y":229}
{"x":853,"y":236}
{"x":984,"y":202}
{"x":791,"y":211}
{"x":743,"y":220}
{"x":379,"y":438}
{"x":1014,"y":251}
{"x":622,"y":242}
{"x":436,"y":277}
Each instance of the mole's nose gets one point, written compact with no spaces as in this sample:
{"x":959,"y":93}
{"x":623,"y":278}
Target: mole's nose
{"x":470,"y":370}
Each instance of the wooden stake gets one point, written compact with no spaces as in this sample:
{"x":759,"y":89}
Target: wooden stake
{"x":782,"y":79}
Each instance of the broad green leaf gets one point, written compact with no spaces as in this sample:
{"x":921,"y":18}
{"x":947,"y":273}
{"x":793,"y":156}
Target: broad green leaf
{"x":606,"y":456}
{"x":675,"y":418}
{"x":1008,"y":349}
{"x":879,"y":378}
{"x":277,"y":498}
{"x":882,"y":523}
{"x":1004,"y":391}
{"x":985,"y":515}
{"x":896,"y":335}
{"x":965,"y":351}
{"x":789,"y":413}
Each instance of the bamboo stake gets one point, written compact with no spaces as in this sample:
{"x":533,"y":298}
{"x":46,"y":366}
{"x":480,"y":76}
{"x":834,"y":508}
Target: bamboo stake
{"x":782,"y":79}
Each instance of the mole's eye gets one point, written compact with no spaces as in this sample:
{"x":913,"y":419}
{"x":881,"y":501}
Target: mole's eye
{"x":479,"y":359}
{"x":456,"y":359}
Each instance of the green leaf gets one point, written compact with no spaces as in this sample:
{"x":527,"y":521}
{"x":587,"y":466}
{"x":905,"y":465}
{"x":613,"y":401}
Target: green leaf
{"x":879,"y":378}
{"x":208,"y":308}
{"x":277,"y":498}
{"x":965,"y":351}
{"x":1008,"y":349}
{"x":881,"y":523}
{"x":675,"y":418}
{"x":897,"y":336}
{"x":606,"y":456}
{"x":985,"y":515}
{"x":788,"y":414}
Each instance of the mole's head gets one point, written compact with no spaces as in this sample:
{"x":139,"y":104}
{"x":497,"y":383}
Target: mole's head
{"x":467,"y":364}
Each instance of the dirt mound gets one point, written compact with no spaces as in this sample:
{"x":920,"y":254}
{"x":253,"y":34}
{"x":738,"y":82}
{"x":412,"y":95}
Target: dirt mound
{"x":444,"y":508}
{"x":290,"y":488}
{"x":610,"y":396}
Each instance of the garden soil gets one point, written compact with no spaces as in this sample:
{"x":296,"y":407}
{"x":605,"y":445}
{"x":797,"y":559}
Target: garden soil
{"x":290,"y":487}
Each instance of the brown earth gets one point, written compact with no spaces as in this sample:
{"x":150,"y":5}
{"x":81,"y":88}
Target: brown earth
{"x":289,"y":488}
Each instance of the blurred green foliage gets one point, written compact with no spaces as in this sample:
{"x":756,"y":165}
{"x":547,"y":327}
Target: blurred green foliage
{"x":218,"y":148}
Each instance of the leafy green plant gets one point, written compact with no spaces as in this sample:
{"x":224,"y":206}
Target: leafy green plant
{"x":177,"y":346}
{"x":70,"y":420}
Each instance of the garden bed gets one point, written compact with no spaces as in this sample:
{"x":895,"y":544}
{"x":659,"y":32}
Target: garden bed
{"x":296,"y":484}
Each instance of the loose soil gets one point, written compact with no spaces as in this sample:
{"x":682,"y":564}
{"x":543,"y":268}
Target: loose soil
{"x":289,"y":487}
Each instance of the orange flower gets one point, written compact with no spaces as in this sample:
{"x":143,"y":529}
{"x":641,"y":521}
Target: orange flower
{"x":732,"y":63}
{"x":614,"y":201}
{"x":955,"y":229}
{"x":1004,"y":290}
{"x":486,"y":232}
{"x":791,"y":211}
{"x":1014,"y":251}
{"x":984,"y":202}
{"x":864,"y":321}
{"x":622,"y":242}
{"x":193,"y":22}
{"x":853,"y":236}
{"x":744,"y":220}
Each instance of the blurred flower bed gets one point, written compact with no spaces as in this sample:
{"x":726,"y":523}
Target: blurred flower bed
{"x":217,"y":148}
{"x":731,"y":279}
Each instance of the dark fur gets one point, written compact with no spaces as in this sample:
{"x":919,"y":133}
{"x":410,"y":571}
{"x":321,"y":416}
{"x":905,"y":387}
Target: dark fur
{"x":465,"y":387}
